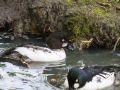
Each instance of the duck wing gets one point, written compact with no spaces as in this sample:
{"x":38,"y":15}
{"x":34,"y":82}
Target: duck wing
{"x":11,"y":50}
{"x":92,"y":71}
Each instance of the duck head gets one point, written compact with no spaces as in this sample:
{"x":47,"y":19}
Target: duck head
{"x":57,"y":40}
{"x":76,"y":78}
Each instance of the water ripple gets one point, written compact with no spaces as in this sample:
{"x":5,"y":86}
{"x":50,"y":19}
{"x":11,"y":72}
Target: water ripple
{"x":12,"y":77}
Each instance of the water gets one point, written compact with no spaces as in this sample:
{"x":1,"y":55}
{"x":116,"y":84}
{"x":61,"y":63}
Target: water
{"x":50,"y":76}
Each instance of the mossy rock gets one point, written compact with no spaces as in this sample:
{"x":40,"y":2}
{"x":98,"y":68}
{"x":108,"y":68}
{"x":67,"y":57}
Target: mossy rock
{"x":94,"y":19}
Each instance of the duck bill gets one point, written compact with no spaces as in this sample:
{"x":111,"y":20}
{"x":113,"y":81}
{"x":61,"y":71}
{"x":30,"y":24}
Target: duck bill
{"x":64,"y":44}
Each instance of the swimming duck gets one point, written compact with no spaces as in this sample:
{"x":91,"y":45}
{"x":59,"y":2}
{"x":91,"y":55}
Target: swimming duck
{"x":91,"y":77}
{"x":53,"y":51}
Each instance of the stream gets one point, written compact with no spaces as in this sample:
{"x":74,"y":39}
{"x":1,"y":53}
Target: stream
{"x":50,"y":75}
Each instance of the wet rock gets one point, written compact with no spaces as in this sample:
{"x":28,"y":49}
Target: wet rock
{"x":43,"y":17}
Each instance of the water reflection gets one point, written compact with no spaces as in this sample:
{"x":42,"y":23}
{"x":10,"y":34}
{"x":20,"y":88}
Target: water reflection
{"x":38,"y":65}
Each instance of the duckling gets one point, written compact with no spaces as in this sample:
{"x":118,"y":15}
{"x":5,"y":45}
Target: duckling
{"x":91,"y":77}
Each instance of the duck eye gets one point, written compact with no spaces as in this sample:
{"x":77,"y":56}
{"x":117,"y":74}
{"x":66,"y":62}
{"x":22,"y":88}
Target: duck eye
{"x":63,"y":40}
{"x":76,"y":80}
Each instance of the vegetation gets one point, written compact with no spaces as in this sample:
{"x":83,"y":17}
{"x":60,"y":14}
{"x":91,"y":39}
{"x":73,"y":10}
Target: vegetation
{"x":81,"y":19}
{"x":97,"y":19}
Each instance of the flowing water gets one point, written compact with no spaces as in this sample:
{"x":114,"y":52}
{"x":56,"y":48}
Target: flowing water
{"x":50,"y":76}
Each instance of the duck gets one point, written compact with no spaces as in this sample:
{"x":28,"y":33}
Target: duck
{"x":91,"y":77}
{"x":52,"y":51}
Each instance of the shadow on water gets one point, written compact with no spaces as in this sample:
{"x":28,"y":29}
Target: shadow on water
{"x":50,"y":76}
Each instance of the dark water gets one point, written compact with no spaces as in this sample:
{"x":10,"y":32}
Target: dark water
{"x":50,"y":76}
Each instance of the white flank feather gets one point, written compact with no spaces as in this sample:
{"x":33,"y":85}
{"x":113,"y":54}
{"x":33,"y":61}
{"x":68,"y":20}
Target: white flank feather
{"x":66,"y":83}
{"x":98,"y":82}
{"x":44,"y":55}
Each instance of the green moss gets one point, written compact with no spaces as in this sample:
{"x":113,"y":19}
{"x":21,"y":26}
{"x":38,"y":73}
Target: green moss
{"x":104,"y":0}
{"x":93,"y":18}
{"x":80,"y":26}
{"x":69,"y":1}
{"x":73,"y":24}
{"x":99,"y":12}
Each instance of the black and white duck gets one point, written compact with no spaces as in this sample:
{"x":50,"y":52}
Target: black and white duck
{"x":53,"y":51}
{"x":91,"y":77}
